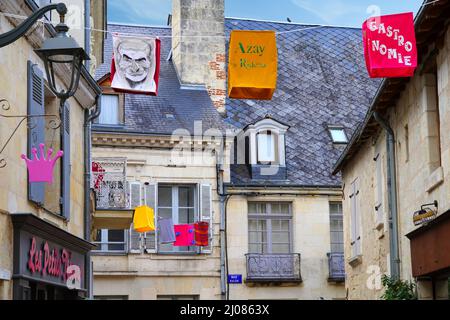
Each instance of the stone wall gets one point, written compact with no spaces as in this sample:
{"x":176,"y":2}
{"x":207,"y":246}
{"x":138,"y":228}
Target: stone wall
{"x":422,"y":176}
{"x":198,"y":44}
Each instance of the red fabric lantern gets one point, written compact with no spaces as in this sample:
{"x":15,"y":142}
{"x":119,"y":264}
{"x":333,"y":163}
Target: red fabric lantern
{"x":201,"y":234}
{"x":390,"y":46}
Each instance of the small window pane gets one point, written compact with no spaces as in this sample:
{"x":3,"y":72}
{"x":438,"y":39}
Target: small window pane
{"x":338,"y":135}
{"x":266,"y":147}
{"x":110,"y":110}
{"x":186,"y":216}
{"x":186,"y":196}
{"x":165,"y":197}
{"x":280,"y":248}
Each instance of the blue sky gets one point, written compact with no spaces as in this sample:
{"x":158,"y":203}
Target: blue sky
{"x":330,"y":12}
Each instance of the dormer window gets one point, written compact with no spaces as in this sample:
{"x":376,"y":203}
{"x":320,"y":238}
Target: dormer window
{"x":262,"y":143}
{"x":338,"y":135}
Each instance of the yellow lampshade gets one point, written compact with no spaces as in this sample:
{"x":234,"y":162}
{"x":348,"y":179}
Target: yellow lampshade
{"x":144,"y":219}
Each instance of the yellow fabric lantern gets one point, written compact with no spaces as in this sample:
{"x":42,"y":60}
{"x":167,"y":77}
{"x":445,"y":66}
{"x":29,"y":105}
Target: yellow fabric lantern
{"x":252,"y":65}
{"x":144,"y":219}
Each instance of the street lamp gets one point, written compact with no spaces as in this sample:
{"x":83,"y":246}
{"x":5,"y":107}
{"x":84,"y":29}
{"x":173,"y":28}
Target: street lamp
{"x":62,"y":49}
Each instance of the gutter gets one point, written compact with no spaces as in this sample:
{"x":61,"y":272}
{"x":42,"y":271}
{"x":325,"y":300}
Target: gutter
{"x":87,"y":31}
{"x":392,"y":197}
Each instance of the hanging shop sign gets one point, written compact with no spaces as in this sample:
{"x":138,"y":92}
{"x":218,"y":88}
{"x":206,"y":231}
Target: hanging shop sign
{"x":253,"y":65}
{"x":40,"y":169}
{"x":424,"y":216}
{"x":144,"y":219}
{"x":136,"y":63}
{"x":390,"y":46}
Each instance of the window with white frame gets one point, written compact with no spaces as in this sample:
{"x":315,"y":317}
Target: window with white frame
{"x":262,"y":143}
{"x":267,"y":147}
{"x":110,"y":240}
{"x":269,"y":227}
{"x":336,"y":228}
{"x":178,"y":203}
{"x":110,"y":113}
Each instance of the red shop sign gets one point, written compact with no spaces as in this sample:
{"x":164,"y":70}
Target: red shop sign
{"x":49,"y":262}
{"x":390,"y":46}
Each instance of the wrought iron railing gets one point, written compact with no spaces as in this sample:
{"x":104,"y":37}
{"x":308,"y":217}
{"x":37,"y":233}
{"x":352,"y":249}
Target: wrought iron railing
{"x":336,"y":266}
{"x":109,"y":183}
{"x":273,"y":267}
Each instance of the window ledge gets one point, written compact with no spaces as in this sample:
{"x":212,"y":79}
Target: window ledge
{"x":355,"y":261}
{"x":111,"y":254}
{"x":435,"y":179}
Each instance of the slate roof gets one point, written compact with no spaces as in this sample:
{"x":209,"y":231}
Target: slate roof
{"x":150,"y":115}
{"x":322,"y":80}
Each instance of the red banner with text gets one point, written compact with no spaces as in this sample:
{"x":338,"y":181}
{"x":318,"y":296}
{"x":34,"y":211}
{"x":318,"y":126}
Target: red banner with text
{"x":390,"y":46}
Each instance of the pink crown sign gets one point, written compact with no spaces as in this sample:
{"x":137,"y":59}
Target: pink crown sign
{"x":41,"y":169}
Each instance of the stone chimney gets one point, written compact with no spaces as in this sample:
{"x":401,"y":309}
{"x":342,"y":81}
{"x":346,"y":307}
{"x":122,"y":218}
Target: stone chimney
{"x":198,"y":46}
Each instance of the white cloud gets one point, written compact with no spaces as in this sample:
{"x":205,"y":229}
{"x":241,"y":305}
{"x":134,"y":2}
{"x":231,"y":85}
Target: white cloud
{"x":141,"y":10}
{"x":330,"y":11}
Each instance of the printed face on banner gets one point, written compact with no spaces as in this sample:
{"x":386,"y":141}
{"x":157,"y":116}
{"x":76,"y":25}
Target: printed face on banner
{"x":135,"y":63}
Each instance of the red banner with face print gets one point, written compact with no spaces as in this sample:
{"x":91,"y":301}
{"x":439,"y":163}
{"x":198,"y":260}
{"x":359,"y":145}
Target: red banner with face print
{"x":390,"y":46}
{"x":135,"y":64}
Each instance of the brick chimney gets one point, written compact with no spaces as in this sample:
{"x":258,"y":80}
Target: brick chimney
{"x":198,"y":45}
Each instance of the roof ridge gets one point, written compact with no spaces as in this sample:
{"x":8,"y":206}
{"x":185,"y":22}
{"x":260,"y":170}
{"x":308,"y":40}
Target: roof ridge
{"x":148,"y":26}
{"x":291,"y":23}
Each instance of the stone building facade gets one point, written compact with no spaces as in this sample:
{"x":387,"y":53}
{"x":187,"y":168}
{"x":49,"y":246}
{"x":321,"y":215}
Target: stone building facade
{"x":416,"y":110}
{"x":24,"y":218}
{"x":304,"y":259}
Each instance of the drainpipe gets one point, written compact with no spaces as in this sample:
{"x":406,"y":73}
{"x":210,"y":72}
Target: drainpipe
{"x":222,"y":199}
{"x":87,"y":187}
{"x":392,"y":196}
{"x":87,"y":31}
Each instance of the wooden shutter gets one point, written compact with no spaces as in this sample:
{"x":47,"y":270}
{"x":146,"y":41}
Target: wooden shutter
{"x":206,"y":213}
{"x":36,"y":134}
{"x":379,"y":189}
{"x":150,"y":201}
{"x":135,"y":201}
{"x":358,"y":218}
{"x":66,"y":166}
{"x":352,"y":197}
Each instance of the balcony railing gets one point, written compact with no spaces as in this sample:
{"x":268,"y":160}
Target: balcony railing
{"x":109,"y":183}
{"x":336,"y":267}
{"x":273,"y":267}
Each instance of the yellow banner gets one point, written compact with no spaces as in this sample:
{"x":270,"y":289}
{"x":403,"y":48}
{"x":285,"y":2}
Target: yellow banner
{"x":252,"y":65}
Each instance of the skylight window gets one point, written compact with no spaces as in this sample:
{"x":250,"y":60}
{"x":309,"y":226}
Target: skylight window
{"x":338,"y":135}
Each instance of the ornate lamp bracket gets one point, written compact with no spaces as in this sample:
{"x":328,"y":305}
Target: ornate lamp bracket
{"x":54,"y":123}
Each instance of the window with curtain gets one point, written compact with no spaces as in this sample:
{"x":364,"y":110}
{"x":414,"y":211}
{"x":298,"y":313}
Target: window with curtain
{"x":178,"y":203}
{"x":266,"y":147}
{"x":336,"y":227}
{"x":110,"y":110}
{"x":269,"y":228}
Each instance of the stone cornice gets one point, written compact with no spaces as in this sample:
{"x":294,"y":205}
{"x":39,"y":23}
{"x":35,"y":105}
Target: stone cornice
{"x":150,"y":141}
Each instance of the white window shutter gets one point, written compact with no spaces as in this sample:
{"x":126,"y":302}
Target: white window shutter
{"x":150,"y":196}
{"x":135,"y":201}
{"x":206,"y":213}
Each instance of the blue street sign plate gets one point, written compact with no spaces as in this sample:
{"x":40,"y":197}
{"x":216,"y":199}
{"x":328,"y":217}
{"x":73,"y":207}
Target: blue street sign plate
{"x":235,"y":278}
